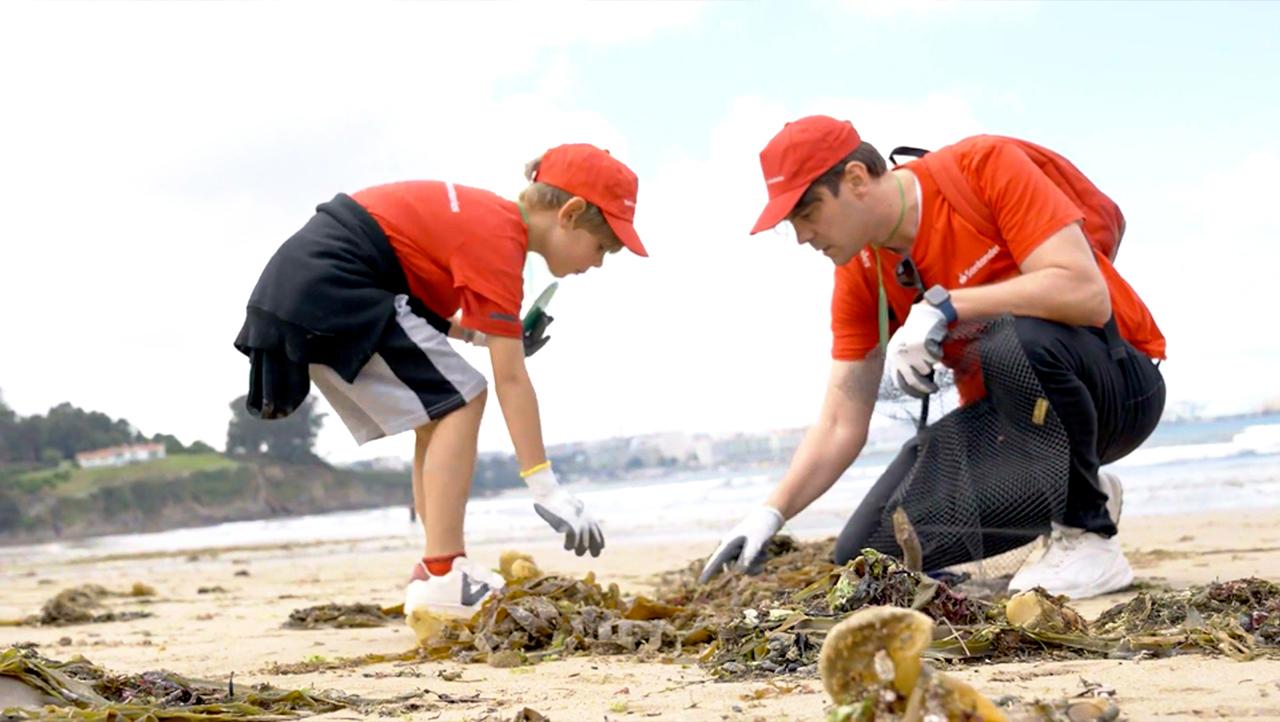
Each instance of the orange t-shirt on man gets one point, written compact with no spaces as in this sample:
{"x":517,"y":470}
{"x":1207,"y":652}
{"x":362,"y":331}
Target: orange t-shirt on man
{"x":1027,"y":207}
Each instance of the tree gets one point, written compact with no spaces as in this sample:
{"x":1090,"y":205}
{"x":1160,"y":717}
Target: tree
{"x":171,"y":444}
{"x":8,"y":431}
{"x":289,"y":439}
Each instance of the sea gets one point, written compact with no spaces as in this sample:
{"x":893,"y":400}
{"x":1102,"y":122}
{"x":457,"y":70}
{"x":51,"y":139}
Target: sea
{"x":1218,"y":464}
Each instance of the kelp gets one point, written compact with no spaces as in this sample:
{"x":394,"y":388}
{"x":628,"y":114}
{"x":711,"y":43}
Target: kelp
{"x":83,"y":605}
{"x":343,"y":616}
{"x":80,"y":690}
{"x":872,"y":669}
{"x":776,"y":620}
{"x":546,"y":616}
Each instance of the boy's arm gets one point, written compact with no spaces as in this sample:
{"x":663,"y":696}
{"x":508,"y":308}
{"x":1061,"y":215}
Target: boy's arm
{"x":518,"y":401}
{"x":556,"y":505}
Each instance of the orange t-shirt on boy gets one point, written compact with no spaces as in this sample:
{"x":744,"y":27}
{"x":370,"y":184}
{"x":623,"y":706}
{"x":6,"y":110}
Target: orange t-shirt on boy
{"x":460,"y":247}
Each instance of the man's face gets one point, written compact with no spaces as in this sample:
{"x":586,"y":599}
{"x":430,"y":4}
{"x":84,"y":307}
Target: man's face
{"x":835,"y":225}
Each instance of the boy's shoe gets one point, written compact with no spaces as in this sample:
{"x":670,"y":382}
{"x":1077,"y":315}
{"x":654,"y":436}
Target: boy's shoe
{"x":1078,"y":564}
{"x":456,"y":594}
{"x":1111,"y":486}
{"x":420,"y":573}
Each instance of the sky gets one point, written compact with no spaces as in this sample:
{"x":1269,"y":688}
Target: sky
{"x":154,"y":155}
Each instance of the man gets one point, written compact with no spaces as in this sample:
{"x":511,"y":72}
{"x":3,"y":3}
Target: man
{"x":892,"y":234}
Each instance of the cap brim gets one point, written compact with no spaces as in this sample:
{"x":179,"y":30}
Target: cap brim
{"x":778,"y":208}
{"x":627,"y":234}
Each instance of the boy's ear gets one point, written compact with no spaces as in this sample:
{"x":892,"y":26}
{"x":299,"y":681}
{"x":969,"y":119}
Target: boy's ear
{"x":570,"y":211}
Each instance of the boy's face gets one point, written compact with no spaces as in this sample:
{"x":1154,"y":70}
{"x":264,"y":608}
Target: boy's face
{"x":573,"y":250}
{"x":838,"y":225}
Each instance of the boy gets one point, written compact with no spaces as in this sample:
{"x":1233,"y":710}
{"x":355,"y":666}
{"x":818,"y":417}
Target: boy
{"x":362,"y":302}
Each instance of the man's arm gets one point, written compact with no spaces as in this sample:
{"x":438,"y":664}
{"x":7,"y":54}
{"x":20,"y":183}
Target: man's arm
{"x":832,"y":444}
{"x":518,"y":401}
{"x":1060,"y":281}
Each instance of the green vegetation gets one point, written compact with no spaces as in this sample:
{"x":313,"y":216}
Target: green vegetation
{"x":271,"y":471}
{"x":67,"y":480}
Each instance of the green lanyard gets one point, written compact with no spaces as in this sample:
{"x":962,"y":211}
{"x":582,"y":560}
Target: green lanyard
{"x":882,"y":306}
{"x":882,"y":310}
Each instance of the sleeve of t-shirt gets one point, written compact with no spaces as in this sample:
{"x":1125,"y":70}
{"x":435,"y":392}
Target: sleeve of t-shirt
{"x":1027,"y":206}
{"x":490,"y":288}
{"x":855,"y":325}
{"x":495,"y":318}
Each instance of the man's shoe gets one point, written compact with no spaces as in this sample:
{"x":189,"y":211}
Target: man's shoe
{"x":1110,"y":484}
{"x":456,"y":594}
{"x":1078,"y":564}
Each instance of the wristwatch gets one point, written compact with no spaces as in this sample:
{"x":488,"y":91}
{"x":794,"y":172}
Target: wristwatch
{"x":939,"y":298}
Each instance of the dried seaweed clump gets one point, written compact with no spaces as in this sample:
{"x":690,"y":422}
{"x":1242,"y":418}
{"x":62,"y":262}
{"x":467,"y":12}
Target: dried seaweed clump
{"x":80,"y":690}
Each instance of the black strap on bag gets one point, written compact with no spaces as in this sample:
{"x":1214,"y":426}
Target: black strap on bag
{"x":907,"y":151}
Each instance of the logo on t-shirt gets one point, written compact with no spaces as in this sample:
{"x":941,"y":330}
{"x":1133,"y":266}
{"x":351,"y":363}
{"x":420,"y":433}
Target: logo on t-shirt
{"x":977,"y":265}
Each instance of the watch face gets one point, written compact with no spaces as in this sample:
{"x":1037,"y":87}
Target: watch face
{"x":937,"y":295}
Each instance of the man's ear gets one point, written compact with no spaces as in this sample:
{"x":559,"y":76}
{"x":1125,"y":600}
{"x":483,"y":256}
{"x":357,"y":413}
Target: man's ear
{"x":857,"y":177}
{"x":569,"y":212}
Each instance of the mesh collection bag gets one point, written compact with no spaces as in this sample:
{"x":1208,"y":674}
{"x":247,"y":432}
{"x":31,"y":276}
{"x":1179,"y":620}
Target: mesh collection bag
{"x":984,"y":479}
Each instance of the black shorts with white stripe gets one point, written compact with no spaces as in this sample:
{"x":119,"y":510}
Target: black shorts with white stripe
{"x":414,"y":377}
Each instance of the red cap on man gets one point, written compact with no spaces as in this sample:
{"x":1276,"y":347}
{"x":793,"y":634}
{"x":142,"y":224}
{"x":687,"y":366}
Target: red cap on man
{"x":584,"y":170}
{"x":801,"y":152}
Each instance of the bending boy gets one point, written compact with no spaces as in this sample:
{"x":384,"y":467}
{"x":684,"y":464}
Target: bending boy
{"x":363,"y":302}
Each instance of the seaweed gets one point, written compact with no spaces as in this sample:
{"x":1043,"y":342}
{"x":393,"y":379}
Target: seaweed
{"x":80,"y":690}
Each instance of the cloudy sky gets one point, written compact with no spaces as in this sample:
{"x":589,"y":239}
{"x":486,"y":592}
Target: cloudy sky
{"x":153,"y":156}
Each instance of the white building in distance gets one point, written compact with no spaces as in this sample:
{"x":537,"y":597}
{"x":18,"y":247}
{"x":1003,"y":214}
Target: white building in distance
{"x":119,"y":455}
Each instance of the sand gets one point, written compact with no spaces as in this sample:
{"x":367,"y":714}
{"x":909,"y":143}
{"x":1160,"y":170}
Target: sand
{"x":239,"y":630}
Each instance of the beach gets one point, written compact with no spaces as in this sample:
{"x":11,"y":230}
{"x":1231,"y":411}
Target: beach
{"x":239,"y":629}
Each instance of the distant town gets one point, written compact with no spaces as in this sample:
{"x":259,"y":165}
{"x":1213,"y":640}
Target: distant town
{"x":648,"y":454}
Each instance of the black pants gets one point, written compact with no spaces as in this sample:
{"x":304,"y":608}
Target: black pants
{"x":1106,"y":394}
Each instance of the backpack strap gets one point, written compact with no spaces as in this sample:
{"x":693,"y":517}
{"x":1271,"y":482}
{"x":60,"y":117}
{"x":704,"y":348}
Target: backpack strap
{"x":907,"y":151}
{"x":959,"y":193}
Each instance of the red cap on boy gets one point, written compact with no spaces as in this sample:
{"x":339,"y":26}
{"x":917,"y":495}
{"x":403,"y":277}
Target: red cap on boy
{"x":797,"y":155}
{"x":587,"y":171}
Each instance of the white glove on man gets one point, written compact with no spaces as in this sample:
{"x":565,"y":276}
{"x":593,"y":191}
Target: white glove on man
{"x":742,"y":547}
{"x":564,"y":512}
{"x":916,"y":348}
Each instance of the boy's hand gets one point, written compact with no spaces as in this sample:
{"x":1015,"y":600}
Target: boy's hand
{"x":742,"y":547}
{"x":565,"y":513}
{"x":534,"y":335}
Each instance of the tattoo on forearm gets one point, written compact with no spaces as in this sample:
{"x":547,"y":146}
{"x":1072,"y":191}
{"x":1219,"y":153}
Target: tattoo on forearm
{"x":864,"y":382}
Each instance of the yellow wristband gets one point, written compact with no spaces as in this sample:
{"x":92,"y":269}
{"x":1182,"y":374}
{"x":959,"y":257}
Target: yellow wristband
{"x":535,"y":469}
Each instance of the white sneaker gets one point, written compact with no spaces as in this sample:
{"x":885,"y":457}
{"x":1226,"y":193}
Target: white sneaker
{"x":1111,"y":486}
{"x":456,"y":594}
{"x":1077,"y":563}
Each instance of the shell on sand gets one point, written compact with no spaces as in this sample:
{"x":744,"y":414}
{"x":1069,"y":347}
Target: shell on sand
{"x":877,"y":648}
{"x":847,"y":662}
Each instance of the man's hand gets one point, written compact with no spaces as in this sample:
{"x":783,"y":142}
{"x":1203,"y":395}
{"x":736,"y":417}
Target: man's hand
{"x":565,"y":513}
{"x":742,"y":547}
{"x":916,"y":348}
